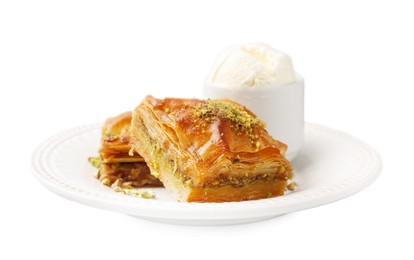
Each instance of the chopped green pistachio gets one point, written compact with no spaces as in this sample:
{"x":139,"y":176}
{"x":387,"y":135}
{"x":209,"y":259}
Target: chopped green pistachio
{"x":291,"y":186}
{"x":119,"y":190}
{"x":156,"y":166}
{"x":145,"y":194}
{"x":127,"y":185}
{"x":97,"y":174}
{"x":106,"y":181}
{"x":241,"y":121}
{"x":117,"y":183}
{"x":240,"y":118}
{"x":118,"y":186}
{"x":155,"y":174}
{"x":95,"y":161}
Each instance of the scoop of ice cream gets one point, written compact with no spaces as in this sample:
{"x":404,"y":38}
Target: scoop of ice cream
{"x":251,"y":65}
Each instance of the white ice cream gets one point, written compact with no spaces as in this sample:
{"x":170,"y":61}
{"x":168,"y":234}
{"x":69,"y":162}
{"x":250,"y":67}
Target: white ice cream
{"x":262,"y":79}
{"x":252,"y":65}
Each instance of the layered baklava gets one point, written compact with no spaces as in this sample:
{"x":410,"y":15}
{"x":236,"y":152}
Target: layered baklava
{"x":117,"y":163}
{"x":209,"y":150}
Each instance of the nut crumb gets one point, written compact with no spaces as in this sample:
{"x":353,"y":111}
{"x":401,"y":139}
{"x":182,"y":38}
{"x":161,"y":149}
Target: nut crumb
{"x":155,"y":174}
{"x":292,"y":186}
{"x":106,"y":181}
{"x":119,"y":187}
{"x":97,"y":174}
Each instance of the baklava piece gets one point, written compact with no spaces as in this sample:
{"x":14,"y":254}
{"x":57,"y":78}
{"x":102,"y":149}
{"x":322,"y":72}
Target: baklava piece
{"x":209,"y":150}
{"x":117,"y":163}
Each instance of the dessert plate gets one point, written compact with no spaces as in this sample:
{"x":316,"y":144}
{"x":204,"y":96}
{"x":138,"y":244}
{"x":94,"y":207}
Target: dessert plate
{"x":332,"y":165}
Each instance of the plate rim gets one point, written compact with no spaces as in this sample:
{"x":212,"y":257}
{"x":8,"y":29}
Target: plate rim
{"x":263,"y":208}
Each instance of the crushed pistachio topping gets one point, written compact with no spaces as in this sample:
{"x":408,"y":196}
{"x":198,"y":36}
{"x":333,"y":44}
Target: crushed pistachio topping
{"x":228,"y":110}
{"x":119,"y":187}
{"x":95,"y":161}
{"x":240,"y":119}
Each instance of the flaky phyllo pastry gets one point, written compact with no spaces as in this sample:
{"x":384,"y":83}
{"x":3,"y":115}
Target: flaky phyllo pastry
{"x":116,"y":163}
{"x":209,"y":151}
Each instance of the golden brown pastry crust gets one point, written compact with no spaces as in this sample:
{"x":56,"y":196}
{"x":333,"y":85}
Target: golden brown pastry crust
{"x":115,"y":140}
{"x":117,"y":161}
{"x":211,"y":150}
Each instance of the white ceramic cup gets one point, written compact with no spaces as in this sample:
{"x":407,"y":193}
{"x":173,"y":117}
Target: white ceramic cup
{"x":280,"y":107}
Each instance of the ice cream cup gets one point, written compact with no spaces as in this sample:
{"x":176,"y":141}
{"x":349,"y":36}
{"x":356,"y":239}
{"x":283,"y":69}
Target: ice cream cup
{"x":281,"y":107}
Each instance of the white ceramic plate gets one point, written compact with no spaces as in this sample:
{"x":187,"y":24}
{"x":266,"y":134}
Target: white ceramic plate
{"x":332,"y":165}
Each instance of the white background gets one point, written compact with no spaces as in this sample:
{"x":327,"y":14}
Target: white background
{"x":69,"y":63}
